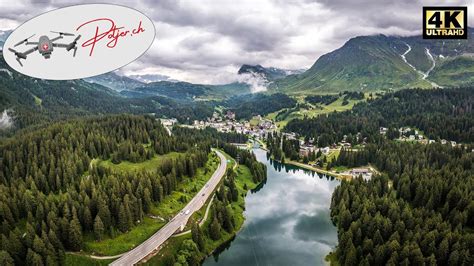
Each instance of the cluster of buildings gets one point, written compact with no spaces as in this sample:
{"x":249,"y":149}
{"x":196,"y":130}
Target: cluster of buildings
{"x":306,"y":150}
{"x":168,"y":124}
{"x":358,"y":138}
{"x":410,"y":134}
{"x":366,"y":173}
{"x":228,"y":123}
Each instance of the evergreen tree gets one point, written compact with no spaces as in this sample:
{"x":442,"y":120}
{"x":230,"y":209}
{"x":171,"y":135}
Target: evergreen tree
{"x":33,"y":258}
{"x":215,"y":230}
{"x":227,"y":220}
{"x":98,"y":228}
{"x":122,"y":219}
{"x":87,"y":219}
{"x":75,"y":235}
{"x":6,"y":259}
{"x":197,"y":236}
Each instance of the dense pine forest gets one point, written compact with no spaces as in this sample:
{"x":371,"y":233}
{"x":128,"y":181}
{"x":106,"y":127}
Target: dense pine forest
{"x":419,"y":212}
{"x":439,"y":113}
{"x":281,"y":147}
{"x":328,"y":99}
{"x":51,"y":193}
{"x":246,"y":106}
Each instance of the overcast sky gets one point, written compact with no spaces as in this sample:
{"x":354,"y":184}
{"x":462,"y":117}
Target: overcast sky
{"x":204,"y":41}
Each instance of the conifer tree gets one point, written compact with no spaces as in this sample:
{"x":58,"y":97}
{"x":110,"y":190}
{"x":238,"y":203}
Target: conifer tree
{"x":98,"y":228}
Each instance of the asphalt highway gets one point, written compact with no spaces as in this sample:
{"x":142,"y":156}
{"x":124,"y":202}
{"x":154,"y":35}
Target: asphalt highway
{"x":154,"y":242}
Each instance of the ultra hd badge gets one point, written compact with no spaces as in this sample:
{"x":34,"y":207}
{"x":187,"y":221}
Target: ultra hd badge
{"x":444,"y":22}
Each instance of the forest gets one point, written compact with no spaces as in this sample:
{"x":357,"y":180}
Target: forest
{"x":439,"y":113}
{"x":51,"y":194}
{"x":330,"y":98}
{"x":248,"y":105}
{"x":280,"y":147}
{"x":247,"y":158}
{"x":223,"y":221}
{"x":321,"y":99}
{"x":420,"y":211}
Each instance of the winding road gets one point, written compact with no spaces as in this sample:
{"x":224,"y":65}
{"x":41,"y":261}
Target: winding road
{"x":179,"y":221}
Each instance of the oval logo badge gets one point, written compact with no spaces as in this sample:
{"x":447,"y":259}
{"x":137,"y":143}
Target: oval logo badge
{"x":79,"y":41}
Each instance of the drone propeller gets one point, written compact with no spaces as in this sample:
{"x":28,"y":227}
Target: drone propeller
{"x":63,"y":33}
{"x":17,"y":54}
{"x":73,"y":44}
{"x":25,"y":40}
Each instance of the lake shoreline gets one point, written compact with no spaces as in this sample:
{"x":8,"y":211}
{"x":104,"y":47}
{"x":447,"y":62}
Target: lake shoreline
{"x":250,"y":239}
{"x":319,"y":170}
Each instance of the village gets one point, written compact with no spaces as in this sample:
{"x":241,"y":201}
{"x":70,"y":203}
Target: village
{"x":258,"y":129}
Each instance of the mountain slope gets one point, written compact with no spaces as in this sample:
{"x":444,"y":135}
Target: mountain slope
{"x":454,"y":71}
{"x":182,"y":91}
{"x":379,"y":62}
{"x":115,"y":82}
{"x":32,"y":101}
{"x":361,"y":64}
{"x":259,"y":78}
{"x":228,"y":90}
{"x":186,"y":92}
{"x":148,"y":78}
{"x":270,"y":73}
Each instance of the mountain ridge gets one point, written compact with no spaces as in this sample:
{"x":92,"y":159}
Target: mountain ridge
{"x":379,"y":62}
{"x":114,"y":81}
{"x":269,"y":73}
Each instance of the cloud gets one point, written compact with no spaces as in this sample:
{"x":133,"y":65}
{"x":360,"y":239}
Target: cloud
{"x":6,"y":119}
{"x":206,"y":41}
{"x":257,"y":81}
{"x":315,"y":228}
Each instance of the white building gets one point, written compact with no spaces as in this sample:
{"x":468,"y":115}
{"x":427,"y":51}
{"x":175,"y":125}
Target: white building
{"x":325,"y":150}
{"x":364,"y":172}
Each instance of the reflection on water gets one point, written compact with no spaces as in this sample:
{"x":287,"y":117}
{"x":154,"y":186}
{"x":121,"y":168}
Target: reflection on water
{"x":287,"y":220}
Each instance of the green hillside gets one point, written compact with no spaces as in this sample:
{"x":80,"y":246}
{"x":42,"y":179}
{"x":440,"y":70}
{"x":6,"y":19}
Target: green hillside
{"x":454,"y":71}
{"x":374,"y":63}
{"x":32,"y":101}
{"x":185,"y":91}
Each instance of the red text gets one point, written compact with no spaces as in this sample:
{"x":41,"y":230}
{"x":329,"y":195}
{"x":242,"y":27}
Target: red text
{"x":105,"y":27}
